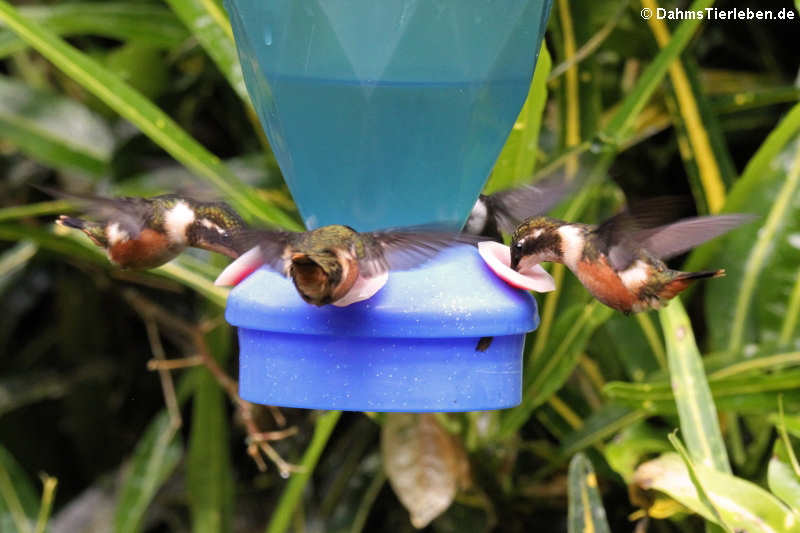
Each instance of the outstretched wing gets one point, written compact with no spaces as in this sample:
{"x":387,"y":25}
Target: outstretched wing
{"x":255,"y":248}
{"x":271,"y":244}
{"x":619,"y":232}
{"x":674,"y":239}
{"x":407,"y":248}
{"x":515,"y":205}
{"x":129,"y":212}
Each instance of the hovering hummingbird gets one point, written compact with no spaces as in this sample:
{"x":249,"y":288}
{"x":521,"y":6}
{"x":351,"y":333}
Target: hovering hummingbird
{"x":620,"y":261}
{"x":140,"y":233}
{"x":501,"y":212}
{"x":336,"y":264}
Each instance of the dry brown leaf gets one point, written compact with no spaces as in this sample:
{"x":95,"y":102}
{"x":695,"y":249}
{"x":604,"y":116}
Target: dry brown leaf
{"x":425,"y":464}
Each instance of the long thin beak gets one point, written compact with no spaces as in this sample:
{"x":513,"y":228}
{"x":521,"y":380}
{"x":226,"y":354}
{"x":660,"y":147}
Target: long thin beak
{"x":516,"y":256}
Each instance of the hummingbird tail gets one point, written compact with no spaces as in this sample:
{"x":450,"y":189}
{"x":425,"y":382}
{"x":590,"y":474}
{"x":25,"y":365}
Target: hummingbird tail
{"x":684,"y":279}
{"x":702,"y":274}
{"x":71,"y":222}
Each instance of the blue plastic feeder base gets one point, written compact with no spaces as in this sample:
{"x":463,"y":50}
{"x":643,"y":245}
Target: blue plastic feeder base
{"x":409,"y":348}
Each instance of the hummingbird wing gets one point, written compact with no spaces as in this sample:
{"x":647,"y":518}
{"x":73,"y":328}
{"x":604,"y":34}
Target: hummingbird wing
{"x":407,"y":248}
{"x":129,"y":212}
{"x":618,"y":233}
{"x":271,"y":244}
{"x":674,"y":239}
{"x":512,"y":206}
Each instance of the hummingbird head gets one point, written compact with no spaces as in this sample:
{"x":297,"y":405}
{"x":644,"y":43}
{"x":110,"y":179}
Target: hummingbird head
{"x":536,"y":240}
{"x":323,"y":277}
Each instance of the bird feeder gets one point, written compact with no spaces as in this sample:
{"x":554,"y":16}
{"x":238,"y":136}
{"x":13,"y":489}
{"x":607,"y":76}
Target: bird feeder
{"x":386,"y":114}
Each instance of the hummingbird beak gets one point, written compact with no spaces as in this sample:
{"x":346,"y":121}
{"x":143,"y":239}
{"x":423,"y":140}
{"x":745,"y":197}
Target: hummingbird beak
{"x":516,"y":255}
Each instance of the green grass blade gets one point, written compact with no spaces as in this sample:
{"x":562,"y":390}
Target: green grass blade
{"x":54,"y":130}
{"x":784,"y":483}
{"x":633,"y":444}
{"x":693,"y":135}
{"x":48,"y":495}
{"x":585,"y":513}
{"x":517,"y":160}
{"x":743,"y":505}
{"x":156,"y":456}
{"x":600,"y":425}
{"x":622,"y":121}
{"x":209,"y":24}
{"x":698,"y":415}
{"x":548,"y":372}
{"x":751,"y":181}
{"x":125,"y":21}
{"x":144,"y":114}
{"x":782,"y":476}
{"x":13,"y":260}
{"x":34,"y":210}
{"x":208,"y":469}
{"x":18,"y":501}
{"x":290,"y":498}
{"x":698,"y":485}
{"x":200,"y":284}
{"x":781,"y":213}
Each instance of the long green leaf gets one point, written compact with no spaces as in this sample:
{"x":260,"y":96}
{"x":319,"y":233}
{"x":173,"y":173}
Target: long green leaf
{"x":154,"y":459}
{"x":748,"y":306}
{"x":209,"y":474}
{"x":143,"y":113}
{"x":548,"y":372}
{"x":600,"y":425}
{"x":54,"y":130}
{"x":13,"y":260}
{"x":748,"y":186}
{"x":518,"y":158}
{"x":622,"y":121}
{"x":743,"y":505}
{"x":783,"y":481}
{"x":126,"y":21}
{"x":290,"y":497}
{"x":208,"y":468}
{"x":633,"y":444}
{"x":585,"y":513}
{"x":753,"y":394}
{"x":698,"y":415}
{"x":210,"y":26}
{"x":18,"y":501}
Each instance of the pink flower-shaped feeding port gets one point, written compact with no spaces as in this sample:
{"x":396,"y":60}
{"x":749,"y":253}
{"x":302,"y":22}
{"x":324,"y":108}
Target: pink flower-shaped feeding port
{"x":498,"y":257}
{"x":252,"y":260}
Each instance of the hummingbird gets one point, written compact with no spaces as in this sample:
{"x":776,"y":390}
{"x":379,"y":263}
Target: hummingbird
{"x":501,"y":212}
{"x":330,"y":264}
{"x":141,"y":233}
{"x":621,"y":261}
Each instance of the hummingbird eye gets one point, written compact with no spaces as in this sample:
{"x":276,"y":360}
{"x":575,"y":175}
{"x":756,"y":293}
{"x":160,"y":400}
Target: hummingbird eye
{"x":518,"y":246}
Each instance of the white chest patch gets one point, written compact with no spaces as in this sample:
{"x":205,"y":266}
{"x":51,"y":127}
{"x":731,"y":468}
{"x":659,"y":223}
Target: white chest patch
{"x":177,"y":220}
{"x":635,"y":275}
{"x":571,"y":245}
{"x":477,"y":218}
{"x":115,"y":234}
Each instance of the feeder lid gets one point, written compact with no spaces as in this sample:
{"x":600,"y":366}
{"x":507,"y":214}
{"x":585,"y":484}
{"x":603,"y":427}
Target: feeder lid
{"x":453,"y":295}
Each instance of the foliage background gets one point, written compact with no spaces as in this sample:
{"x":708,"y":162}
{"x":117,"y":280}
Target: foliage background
{"x":139,"y":97}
